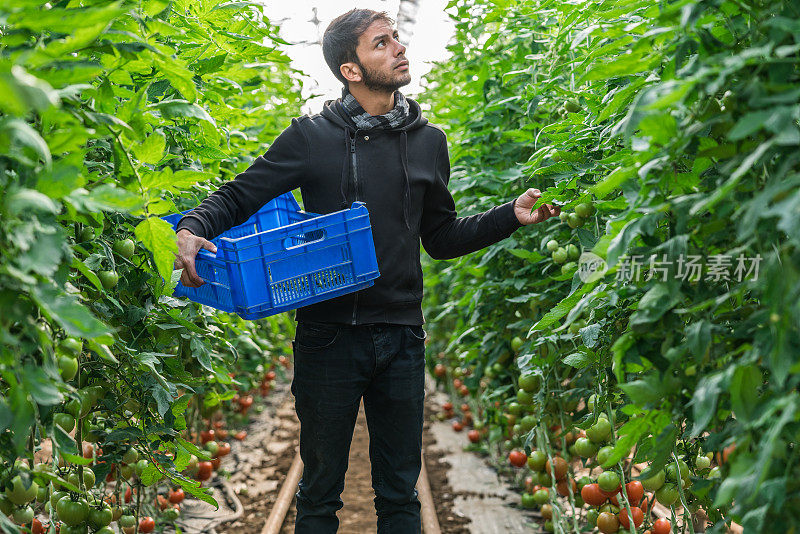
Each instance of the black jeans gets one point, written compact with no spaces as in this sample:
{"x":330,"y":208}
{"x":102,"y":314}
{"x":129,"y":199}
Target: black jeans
{"x":334,"y":367}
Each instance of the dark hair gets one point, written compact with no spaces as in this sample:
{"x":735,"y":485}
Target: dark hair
{"x":340,"y":40}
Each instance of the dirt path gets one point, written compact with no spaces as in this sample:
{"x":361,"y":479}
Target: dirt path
{"x":259,"y":464}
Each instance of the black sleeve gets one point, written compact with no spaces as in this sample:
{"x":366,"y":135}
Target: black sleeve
{"x":446,"y":236}
{"x":280,"y":170}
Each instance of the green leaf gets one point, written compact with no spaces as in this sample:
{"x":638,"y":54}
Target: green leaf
{"x":73,"y":317}
{"x":172,"y":109}
{"x":561,"y":309}
{"x":105,"y":197}
{"x":41,"y":387}
{"x":612,"y":181}
{"x":151,"y":149}
{"x":159,"y":237}
{"x":20,"y":141}
{"x":744,"y":391}
{"x":579,"y":360}
{"x":655,"y":303}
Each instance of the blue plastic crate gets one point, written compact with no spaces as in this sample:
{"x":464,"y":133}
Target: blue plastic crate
{"x":283,"y":258}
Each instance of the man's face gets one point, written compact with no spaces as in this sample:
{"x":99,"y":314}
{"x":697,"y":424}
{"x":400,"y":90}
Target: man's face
{"x":384,"y":67}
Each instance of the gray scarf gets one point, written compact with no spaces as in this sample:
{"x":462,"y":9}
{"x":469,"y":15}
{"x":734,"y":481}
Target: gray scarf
{"x":364,"y":121}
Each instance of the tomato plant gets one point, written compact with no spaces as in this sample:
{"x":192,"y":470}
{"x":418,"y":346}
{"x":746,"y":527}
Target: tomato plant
{"x":664,"y":144}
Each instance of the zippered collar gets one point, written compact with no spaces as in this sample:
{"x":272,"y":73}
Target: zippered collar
{"x":334,"y":111}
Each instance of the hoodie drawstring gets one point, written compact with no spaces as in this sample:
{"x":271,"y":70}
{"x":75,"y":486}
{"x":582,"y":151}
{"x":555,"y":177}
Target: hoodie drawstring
{"x":407,"y":186}
{"x":345,"y":169}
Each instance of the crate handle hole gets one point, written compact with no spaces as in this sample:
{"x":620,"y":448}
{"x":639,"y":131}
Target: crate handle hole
{"x":307,"y":238}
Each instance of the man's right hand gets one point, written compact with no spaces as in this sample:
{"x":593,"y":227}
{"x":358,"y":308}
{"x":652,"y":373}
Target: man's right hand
{"x":188,"y":247}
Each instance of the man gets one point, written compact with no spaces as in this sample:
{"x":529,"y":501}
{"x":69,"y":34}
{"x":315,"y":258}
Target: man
{"x":372,"y":145}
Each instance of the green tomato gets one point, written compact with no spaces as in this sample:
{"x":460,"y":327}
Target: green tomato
{"x":672,"y":472}
{"x":72,"y":512}
{"x":573,"y":252}
{"x":109,"y":279}
{"x":537,"y":460}
{"x":126,"y":471}
{"x":127,"y":521}
{"x":527,"y":423}
{"x":107,"y":530}
{"x":667,"y":494}
{"x":524,"y":398}
{"x":141,"y":465}
{"x":124,"y":247}
{"x":569,"y":267}
{"x":608,"y":481}
{"x":170,"y":514}
{"x":87,"y":234}
{"x":604,"y":454}
{"x":574,"y":220}
{"x":655,"y":482}
{"x":552,"y":245}
{"x":23,"y":515}
{"x":42,"y":494}
{"x":72,"y":346}
{"x":212,"y":447}
{"x":702,"y":462}
{"x":18,"y":493}
{"x":585,"y":448}
{"x":584,"y":210}
{"x":591,"y":402}
{"x":600,"y":431}
{"x":541,"y":496}
{"x":529,"y":383}
{"x":67,"y":367}
{"x":564,"y":216}
{"x":591,"y":517}
{"x":559,"y":255}
{"x":515,"y":408}
{"x":528,"y":501}
{"x":516,"y":344}
{"x":715,"y":472}
{"x":65,"y":421}
{"x":100,"y":517}
{"x":572,"y":105}
{"x":56,"y":496}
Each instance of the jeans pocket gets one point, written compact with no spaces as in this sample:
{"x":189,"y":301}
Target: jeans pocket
{"x":312,"y":337}
{"x":417,"y":331}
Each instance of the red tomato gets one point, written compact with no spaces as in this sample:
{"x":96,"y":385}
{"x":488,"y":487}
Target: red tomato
{"x":215,"y":462}
{"x":37,"y":527}
{"x":147,"y":524}
{"x":457,"y":383}
{"x":176,"y":496}
{"x":270,"y":375}
{"x":634,"y":491}
{"x":638,"y":516}
{"x":474,"y":436}
{"x":240,"y":435}
{"x":447,"y":406}
{"x":224,"y":449}
{"x":207,"y":435}
{"x":662,"y":526}
{"x":517,"y":458}
{"x":592,"y":495}
{"x":563,"y":489}
{"x":458,"y":426}
{"x":204,"y":470}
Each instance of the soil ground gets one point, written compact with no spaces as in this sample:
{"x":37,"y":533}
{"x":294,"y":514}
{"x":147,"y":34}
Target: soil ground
{"x":259,"y":464}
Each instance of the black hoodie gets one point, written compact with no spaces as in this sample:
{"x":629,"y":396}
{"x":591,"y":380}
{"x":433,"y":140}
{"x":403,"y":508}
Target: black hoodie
{"x":401,"y":175}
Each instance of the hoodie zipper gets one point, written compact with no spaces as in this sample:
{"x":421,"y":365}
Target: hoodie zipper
{"x":355,"y":180}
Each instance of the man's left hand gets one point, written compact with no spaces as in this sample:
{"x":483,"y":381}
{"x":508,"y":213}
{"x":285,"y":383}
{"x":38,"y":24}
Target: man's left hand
{"x":522,"y":208}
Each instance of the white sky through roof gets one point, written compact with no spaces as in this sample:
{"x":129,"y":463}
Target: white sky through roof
{"x":428,"y":42}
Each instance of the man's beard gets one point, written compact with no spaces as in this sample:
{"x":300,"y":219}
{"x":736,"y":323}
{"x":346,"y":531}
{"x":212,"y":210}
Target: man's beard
{"x":379,"y":82}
